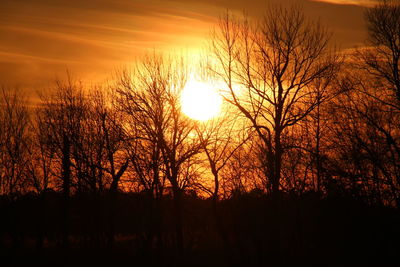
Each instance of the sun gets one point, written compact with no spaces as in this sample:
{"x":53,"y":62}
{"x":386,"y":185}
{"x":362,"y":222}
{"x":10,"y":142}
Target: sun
{"x":200,"y":101}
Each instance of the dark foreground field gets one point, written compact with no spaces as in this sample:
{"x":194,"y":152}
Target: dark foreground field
{"x":334,"y":231}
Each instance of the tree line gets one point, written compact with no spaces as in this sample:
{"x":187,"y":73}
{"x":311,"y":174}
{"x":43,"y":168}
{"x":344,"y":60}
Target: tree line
{"x":301,"y":118}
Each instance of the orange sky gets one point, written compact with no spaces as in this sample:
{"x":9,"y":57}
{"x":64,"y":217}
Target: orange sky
{"x":41,"y":39}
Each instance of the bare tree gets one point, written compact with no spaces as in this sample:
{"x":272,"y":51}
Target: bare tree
{"x":221,"y":138}
{"x":110,"y":148}
{"x":62,"y":114}
{"x":361,"y":162}
{"x":304,"y":167}
{"x":42,"y":161}
{"x":14,"y":142}
{"x":372,"y":105}
{"x":162,"y":137}
{"x":243,"y":172}
{"x":273,"y":65}
{"x":381,"y":58}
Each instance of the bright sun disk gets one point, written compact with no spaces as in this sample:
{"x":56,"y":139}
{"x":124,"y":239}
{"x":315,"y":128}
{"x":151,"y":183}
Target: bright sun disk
{"x":200,"y":101}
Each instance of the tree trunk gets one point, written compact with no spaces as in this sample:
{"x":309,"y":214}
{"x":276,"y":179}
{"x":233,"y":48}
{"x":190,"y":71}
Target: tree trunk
{"x":112,"y":213}
{"x":178,"y":218}
{"x":275,"y":219}
{"x":66,"y":176}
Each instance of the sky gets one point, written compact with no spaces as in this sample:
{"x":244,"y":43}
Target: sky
{"x":41,"y":39}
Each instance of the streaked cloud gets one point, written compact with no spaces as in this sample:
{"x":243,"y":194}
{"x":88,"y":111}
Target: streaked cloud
{"x":40,"y":39}
{"x":350,"y":2}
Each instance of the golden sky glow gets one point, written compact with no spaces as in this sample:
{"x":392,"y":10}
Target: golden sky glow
{"x":41,"y":39}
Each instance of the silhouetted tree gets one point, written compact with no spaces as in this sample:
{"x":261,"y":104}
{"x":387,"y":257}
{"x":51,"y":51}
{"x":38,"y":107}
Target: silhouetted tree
{"x":367,"y":146}
{"x":14,"y":142}
{"x":269,"y":69}
{"x":42,"y":161}
{"x":274,"y":66}
{"x":309,"y":141}
{"x":381,"y":58}
{"x":111,"y":147}
{"x":221,"y":137}
{"x":62,"y":114}
{"x":162,"y":138}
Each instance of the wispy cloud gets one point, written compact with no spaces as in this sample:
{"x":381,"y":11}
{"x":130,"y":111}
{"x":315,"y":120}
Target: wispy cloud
{"x":350,"y":2}
{"x":49,"y":36}
{"x":40,"y":38}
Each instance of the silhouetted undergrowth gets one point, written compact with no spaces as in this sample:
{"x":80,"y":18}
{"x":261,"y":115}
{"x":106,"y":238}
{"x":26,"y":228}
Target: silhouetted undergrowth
{"x":333,"y":231}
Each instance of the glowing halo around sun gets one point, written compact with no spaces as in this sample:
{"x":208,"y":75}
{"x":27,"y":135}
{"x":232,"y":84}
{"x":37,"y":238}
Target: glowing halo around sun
{"x":200,"y":101}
